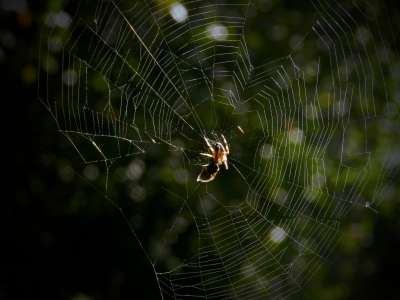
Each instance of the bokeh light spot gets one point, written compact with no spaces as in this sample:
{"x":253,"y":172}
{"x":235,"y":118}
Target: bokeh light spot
{"x":135,"y":169}
{"x":277,"y":235}
{"x":296,"y":135}
{"x":91,"y":172}
{"x":178,"y":12}
{"x":217,"y":32}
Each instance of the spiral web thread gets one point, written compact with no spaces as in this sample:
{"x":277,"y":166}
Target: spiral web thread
{"x":164,"y":64}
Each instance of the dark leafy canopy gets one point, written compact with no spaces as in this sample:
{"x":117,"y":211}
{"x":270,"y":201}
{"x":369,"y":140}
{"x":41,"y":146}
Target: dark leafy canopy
{"x":128,"y":108}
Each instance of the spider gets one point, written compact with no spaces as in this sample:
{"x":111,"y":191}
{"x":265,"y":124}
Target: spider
{"x":219,"y":156}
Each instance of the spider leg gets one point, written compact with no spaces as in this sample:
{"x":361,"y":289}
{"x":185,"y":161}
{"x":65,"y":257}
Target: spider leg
{"x":209,"y":145}
{"x":206,"y":154}
{"x":210,"y":178}
{"x":226,"y":144}
{"x":226,"y":164}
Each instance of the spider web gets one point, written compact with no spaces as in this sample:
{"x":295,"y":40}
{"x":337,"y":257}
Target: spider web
{"x":144,"y":81}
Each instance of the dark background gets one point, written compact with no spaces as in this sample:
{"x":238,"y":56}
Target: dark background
{"x":67,"y":242}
